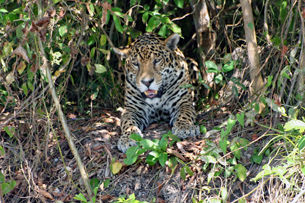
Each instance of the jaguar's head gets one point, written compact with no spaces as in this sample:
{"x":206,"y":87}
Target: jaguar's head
{"x":146,"y":61}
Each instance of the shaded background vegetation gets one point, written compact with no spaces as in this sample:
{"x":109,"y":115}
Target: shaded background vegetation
{"x":88,"y":76}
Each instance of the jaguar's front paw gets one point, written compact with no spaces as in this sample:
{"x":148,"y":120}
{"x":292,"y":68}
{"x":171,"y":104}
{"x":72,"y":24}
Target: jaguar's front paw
{"x":184,"y":131}
{"x":125,"y":142}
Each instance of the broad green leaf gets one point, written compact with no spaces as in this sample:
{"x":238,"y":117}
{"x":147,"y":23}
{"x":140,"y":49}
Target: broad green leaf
{"x":189,"y":171}
{"x":56,"y":1}
{"x":63,"y":30}
{"x":80,"y":197}
{"x":117,"y":24}
{"x":163,"y":143}
{"x":2,"y":152}
{"x":8,"y":186}
{"x":211,"y":67}
{"x":208,"y":159}
{"x":132,"y":155}
{"x":147,"y":144}
{"x":301,"y":143}
{"x":94,"y":182}
{"x":175,"y":28}
{"x":269,"y":80}
{"x":256,"y":157}
{"x":103,"y":40}
{"x":228,"y":67}
{"x":218,"y":79}
{"x":179,"y":3}
{"x":203,"y":129}
{"x":224,"y":194}
{"x":3,"y":10}
{"x":91,"y":9}
{"x":10,"y":131}
{"x":152,"y":158}
{"x":241,"y":118}
{"x":230,"y":124}
{"x":182,"y":173}
{"x":163,"y":159}
{"x":106,"y":183}
{"x":162,"y":32}
{"x":241,"y":172}
{"x":295,"y":124}
{"x":25,"y":89}
{"x":99,"y":68}
{"x":145,"y":17}
{"x":116,"y":167}
{"x":153,"y":22}
{"x":136,"y":137}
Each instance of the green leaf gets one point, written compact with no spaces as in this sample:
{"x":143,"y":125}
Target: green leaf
{"x":152,"y":158}
{"x":2,"y":152}
{"x":301,"y":143}
{"x":56,"y":1}
{"x":295,"y":125}
{"x":163,"y":143}
{"x":256,"y":157}
{"x":269,"y":80}
{"x":94,"y":182}
{"x":209,"y":159}
{"x":241,"y":172}
{"x":147,"y":144}
{"x":211,"y":67}
{"x":3,"y":10}
{"x":145,"y":17}
{"x":241,"y":118}
{"x":63,"y":30}
{"x":117,"y":24}
{"x":163,"y":158}
{"x":99,"y":68}
{"x":175,"y":28}
{"x":106,"y":183}
{"x":132,"y":155}
{"x":80,"y":197}
{"x":189,"y":171}
{"x":179,"y":3}
{"x":218,"y":79}
{"x":136,"y":137}
{"x":182,"y":173}
{"x":103,"y":40}
{"x":228,"y":67}
{"x":163,"y":31}
{"x":203,"y":129}
{"x":153,"y":22}
{"x":8,"y":186}
{"x":25,"y":89}
{"x":10,"y":131}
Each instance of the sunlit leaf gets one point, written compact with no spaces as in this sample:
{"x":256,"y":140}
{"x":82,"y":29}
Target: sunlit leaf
{"x":211,"y":67}
{"x":25,"y":89}
{"x":80,"y":197}
{"x":136,"y":137}
{"x":241,"y":118}
{"x":10,"y":131}
{"x":63,"y":30}
{"x":99,"y":68}
{"x":117,"y":24}
{"x":295,"y":124}
{"x":179,"y":3}
{"x":163,"y":158}
{"x":241,"y":172}
{"x":116,"y":167}
{"x":103,"y":40}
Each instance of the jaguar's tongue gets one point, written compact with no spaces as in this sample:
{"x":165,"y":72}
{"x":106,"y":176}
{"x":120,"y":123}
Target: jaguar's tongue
{"x":150,"y":93}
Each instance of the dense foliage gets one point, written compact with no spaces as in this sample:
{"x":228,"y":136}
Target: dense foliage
{"x":77,"y":37}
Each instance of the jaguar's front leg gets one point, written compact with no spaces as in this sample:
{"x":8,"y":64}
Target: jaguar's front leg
{"x":131,"y":122}
{"x":183,"y":120}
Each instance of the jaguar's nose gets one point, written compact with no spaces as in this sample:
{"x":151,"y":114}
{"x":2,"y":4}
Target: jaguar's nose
{"x":147,"y":82}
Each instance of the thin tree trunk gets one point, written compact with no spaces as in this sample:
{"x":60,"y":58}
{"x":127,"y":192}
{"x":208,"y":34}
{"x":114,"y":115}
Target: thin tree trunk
{"x":257,"y":83}
{"x":301,"y":78}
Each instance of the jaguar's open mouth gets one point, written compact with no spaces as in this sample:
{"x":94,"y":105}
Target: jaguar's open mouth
{"x":151,"y":93}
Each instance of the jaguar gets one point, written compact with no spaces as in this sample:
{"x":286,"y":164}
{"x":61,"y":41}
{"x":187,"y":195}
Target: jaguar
{"x":156,"y":79}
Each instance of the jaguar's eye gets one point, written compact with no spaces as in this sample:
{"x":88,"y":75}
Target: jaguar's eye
{"x":156,"y":62}
{"x":135,"y":64}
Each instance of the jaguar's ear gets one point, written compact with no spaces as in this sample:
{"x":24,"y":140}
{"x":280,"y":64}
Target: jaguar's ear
{"x":122,"y":52}
{"x":172,"y":41}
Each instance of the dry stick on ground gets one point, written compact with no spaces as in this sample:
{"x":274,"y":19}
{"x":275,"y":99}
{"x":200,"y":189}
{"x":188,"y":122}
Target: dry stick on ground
{"x":62,"y":118}
{"x":257,"y":83}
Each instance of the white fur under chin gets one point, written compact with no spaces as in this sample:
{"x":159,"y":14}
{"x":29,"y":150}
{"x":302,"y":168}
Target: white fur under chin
{"x":154,"y":101}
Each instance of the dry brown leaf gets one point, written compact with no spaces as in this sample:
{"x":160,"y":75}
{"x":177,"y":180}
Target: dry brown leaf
{"x":20,"y":51}
{"x":45,"y":194}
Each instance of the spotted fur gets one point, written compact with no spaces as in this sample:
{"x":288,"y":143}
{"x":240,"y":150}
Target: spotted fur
{"x":156,"y":76}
